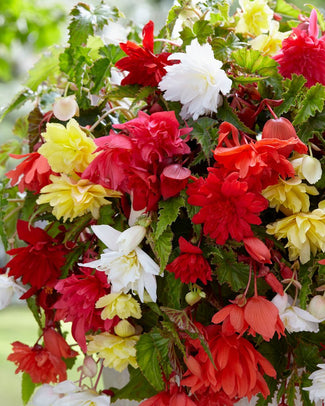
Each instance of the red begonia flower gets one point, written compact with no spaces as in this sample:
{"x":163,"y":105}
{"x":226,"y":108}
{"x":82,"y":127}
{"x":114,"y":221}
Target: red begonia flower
{"x":257,"y":250}
{"x":191,"y":264}
{"x":144,"y":67}
{"x":57,"y":345}
{"x":258,"y":315}
{"x":238,"y":369}
{"x":31,"y":174}
{"x":303,"y":53}
{"x":173,"y":396}
{"x":77,"y":303}
{"x":173,"y":179}
{"x":228,"y":208}
{"x":40,"y":262}
{"x":38,"y":362}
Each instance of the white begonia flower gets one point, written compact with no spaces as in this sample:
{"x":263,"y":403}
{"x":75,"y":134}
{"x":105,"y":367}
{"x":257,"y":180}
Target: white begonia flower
{"x":8,"y":287}
{"x":307,"y":167}
{"x":64,"y":108}
{"x":317,"y":389}
{"x":84,"y":398}
{"x":294,"y":318}
{"x":126,"y":265}
{"x":196,"y":81}
{"x":114,"y":33}
{"x":48,"y":395}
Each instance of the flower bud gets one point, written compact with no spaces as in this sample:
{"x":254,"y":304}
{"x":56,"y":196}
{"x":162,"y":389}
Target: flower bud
{"x":124,"y":329}
{"x":194,"y":296}
{"x":280,"y":128}
{"x":317,"y":307}
{"x":89,"y":367}
{"x":64,"y":108}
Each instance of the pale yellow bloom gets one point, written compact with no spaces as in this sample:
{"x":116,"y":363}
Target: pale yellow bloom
{"x":289,"y":196}
{"x":118,"y":304}
{"x":73,"y":198}
{"x":270,"y":44}
{"x":307,"y":167}
{"x":305,"y":233}
{"x":117,"y":352}
{"x":67,"y":149}
{"x":254,"y":18}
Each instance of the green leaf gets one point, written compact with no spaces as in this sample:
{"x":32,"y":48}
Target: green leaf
{"x":45,"y":69}
{"x":223,"y":46}
{"x":314,"y":125}
{"x":168,"y":213}
{"x":27,"y":387}
{"x":307,"y":356}
{"x":254,"y":62}
{"x":170,"y":290}
{"x":305,"y":278}
{"x":229,"y":270}
{"x":152,"y":357}
{"x":17,"y":102}
{"x":35,"y":309}
{"x":138,"y":388}
{"x":305,"y":382}
{"x":100,"y":71}
{"x":162,"y":247}
{"x":205,"y":132}
{"x":286,"y":9}
{"x":290,"y":96}
{"x":225,"y":113}
{"x":313,"y":102}
{"x":202,"y":29}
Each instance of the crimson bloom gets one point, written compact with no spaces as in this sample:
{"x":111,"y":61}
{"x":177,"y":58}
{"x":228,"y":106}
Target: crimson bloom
{"x":238,"y":369}
{"x":31,"y":174}
{"x":258,"y":315}
{"x":56,"y":344}
{"x":190,"y":265}
{"x":173,"y":396}
{"x":303,"y":53}
{"x":144,"y":67}
{"x":38,"y":362}
{"x":77,"y":303}
{"x":228,"y":208}
{"x":40,"y":262}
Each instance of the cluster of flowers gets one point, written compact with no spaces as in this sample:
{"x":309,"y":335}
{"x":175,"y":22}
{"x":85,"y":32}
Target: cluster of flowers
{"x":156,"y":231}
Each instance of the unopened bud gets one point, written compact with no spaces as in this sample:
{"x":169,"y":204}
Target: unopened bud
{"x":64,"y":108}
{"x":194,"y":296}
{"x":89,"y":367}
{"x":317,"y":306}
{"x":124,"y":329}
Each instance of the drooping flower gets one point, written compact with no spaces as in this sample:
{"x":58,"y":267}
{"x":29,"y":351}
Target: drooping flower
{"x":117,"y":352}
{"x":255,"y":17}
{"x":64,"y":108}
{"x":228,"y":208}
{"x":196,"y":81}
{"x":118,"y":304}
{"x":57,"y":345}
{"x":40,"y":262}
{"x":79,"y":294}
{"x":127,"y":267}
{"x":303,"y":53}
{"x":190,"y":265}
{"x":293,"y":317}
{"x":8,"y":287}
{"x":307,"y":167}
{"x":317,"y":388}
{"x":258,"y":315}
{"x":269,"y":44}
{"x":238,"y":369}
{"x":289,"y":196}
{"x":144,"y":67}
{"x":305,"y":233}
{"x":38,"y":362}
{"x":73,"y":198}
{"x":67,"y":149}
{"x":32,"y":174}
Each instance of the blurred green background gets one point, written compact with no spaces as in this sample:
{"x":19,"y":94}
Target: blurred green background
{"x":27,"y":28}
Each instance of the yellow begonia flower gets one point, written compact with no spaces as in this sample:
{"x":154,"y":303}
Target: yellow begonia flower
{"x":118,"y":304}
{"x":307,"y":167}
{"x":269,"y":44}
{"x":117,"y":352}
{"x":305,"y":233}
{"x":289,"y":196}
{"x":73,"y":198}
{"x":67,"y":149}
{"x":254,"y":18}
